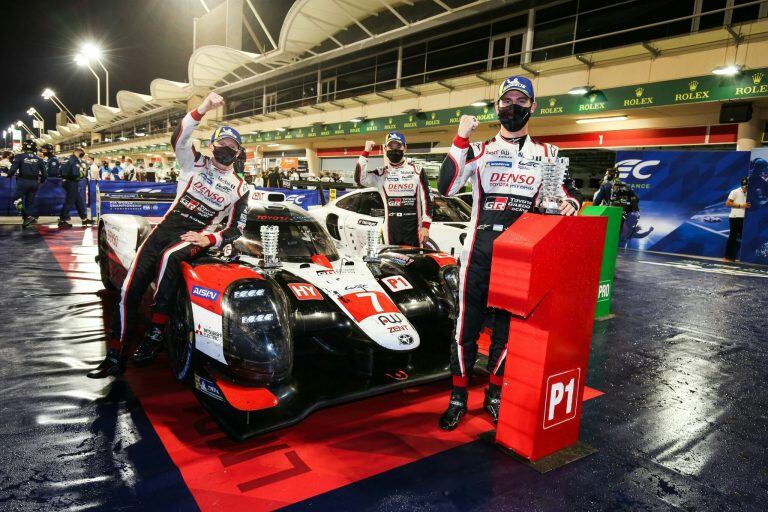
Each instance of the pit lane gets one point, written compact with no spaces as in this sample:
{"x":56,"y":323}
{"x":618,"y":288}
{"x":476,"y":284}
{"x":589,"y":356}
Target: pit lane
{"x":678,"y":427}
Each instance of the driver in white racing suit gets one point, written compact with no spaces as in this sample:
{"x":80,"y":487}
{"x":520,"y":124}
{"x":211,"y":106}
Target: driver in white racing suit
{"x":503,"y":188}
{"x":210,"y":191}
{"x":404,"y":190}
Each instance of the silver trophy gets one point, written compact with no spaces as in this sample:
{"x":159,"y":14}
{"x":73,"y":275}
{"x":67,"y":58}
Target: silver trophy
{"x":553,"y":171}
{"x":269,"y":239}
{"x":372,"y":246}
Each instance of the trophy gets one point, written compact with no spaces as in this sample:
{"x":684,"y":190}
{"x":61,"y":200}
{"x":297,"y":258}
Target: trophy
{"x":553,"y":171}
{"x":269,"y":241}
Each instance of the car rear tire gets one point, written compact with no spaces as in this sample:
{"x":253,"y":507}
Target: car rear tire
{"x":181,"y":339}
{"x":104,"y":261}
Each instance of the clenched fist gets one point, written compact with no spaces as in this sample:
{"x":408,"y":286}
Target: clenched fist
{"x":467,"y":125}
{"x":211,"y":102}
{"x":369,"y":145}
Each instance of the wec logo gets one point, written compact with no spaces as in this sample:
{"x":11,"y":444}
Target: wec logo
{"x":294,"y":198}
{"x":635,"y":167}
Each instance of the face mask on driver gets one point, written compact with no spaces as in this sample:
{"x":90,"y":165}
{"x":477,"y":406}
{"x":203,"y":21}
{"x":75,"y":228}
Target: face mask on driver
{"x":395,"y":155}
{"x":514,"y":118}
{"x":224,"y":155}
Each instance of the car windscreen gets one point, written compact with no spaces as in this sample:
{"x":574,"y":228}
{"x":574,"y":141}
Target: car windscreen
{"x":297,"y":241}
{"x":450,"y":209}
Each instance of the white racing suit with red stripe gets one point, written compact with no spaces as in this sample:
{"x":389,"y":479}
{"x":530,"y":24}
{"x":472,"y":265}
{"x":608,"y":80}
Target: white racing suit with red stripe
{"x":204,"y":198}
{"x":503,"y":188}
{"x":407,"y":202}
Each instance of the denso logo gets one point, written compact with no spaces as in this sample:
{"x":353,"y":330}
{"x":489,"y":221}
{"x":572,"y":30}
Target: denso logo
{"x":635,"y":168}
{"x":504,"y":177}
{"x":208,"y":193}
{"x":205,"y":293}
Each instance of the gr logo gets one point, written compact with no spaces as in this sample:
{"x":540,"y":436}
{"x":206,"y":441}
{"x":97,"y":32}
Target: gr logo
{"x":562,"y":390}
{"x":636,"y":168}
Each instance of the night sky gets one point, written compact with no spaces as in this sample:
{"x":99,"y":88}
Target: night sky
{"x":142,"y":39}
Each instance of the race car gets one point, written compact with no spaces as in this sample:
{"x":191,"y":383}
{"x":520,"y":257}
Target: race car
{"x":350,"y":217}
{"x":278,"y":324}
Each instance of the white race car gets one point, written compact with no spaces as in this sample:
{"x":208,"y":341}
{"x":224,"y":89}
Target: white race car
{"x":349,"y":218}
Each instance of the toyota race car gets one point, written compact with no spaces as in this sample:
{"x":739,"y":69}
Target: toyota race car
{"x":349,"y":218}
{"x":278,"y":324}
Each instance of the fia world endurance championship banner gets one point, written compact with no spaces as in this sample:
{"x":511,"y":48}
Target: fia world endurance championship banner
{"x":754,"y":240}
{"x":682,"y":198}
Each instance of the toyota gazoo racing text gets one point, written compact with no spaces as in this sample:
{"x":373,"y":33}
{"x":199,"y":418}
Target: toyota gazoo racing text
{"x":268,"y":330}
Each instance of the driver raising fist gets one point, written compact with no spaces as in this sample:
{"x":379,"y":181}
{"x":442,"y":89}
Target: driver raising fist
{"x":209,"y":191}
{"x":502,"y":191}
{"x":404,"y":190}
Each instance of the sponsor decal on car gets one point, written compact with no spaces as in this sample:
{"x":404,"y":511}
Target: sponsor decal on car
{"x":208,"y":332}
{"x":205,"y":293}
{"x":363,"y":222}
{"x":305,"y":291}
{"x":405,"y":339}
{"x":208,"y":387}
{"x":397,"y":283}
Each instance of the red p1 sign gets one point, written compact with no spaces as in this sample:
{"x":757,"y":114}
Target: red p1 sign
{"x":562,"y":400}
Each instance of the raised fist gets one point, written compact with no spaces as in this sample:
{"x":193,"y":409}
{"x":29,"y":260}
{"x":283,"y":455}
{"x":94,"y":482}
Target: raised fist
{"x":467,"y":125}
{"x":211,"y":102}
{"x":369,"y":145}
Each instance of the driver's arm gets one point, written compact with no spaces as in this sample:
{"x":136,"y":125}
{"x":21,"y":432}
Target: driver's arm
{"x":235,"y":224}
{"x":459,"y":165}
{"x":426,"y":205}
{"x":363,"y":176}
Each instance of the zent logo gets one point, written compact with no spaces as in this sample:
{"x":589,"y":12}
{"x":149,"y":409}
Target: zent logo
{"x":397,"y":283}
{"x":205,"y":293}
{"x":562,"y":390}
{"x":304,"y":291}
{"x":635,"y":168}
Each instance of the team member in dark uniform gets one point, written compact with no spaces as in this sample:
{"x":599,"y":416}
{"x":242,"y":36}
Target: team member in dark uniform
{"x":502,"y":191}
{"x":404,"y":190}
{"x":52,"y":163}
{"x":209,"y":192}
{"x":31,"y":170}
{"x":72,"y":171}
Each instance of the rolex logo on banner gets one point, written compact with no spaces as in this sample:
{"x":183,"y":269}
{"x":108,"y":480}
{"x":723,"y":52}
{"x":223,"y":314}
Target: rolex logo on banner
{"x":553,"y":108}
{"x":639,"y":99}
{"x":758,"y":88}
{"x":693,"y":93}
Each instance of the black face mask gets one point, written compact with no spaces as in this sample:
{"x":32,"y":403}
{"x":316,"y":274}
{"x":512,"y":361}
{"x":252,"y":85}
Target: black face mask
{"x":395,"y":155}
{"x":224,"y":155}
{"x":514,"y":118}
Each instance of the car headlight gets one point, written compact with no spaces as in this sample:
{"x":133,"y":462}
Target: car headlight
{"x":450,"y":275}
{"x":259,"y":341}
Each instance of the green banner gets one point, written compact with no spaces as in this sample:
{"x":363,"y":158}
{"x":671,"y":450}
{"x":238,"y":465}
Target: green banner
{"x":610,"y":250}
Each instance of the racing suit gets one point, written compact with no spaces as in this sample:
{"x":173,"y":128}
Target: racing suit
{"x":206,"y":196}
{"x":31,"y":169}
{"x":53,"y":167}
{"x":405,"y":192}
{"x":71,"y":174}
{"x":502,"y":191}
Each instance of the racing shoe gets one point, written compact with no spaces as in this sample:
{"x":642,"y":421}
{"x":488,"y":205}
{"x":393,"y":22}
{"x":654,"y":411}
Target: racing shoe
{"x":30,"y":221}
{"x":147,"y":350}
{"x":64,"y":224}
{"x":457,"y":407}
{"x":492,"y":402}
{"x":86,"y":222}
{"x":113,"y":364}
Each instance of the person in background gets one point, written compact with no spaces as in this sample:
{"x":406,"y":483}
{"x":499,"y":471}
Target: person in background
{"x":93,"y":168}
{"x":140,"y":172}
{"x":71,"y":173}
{"x":129,"y":170}
{"x":326,"y":177}
{"x":737,"y":200}
{"x":274,"y":180}
{"x":116,"y":170}
{"x":31,"y":170}
{"x":5,"y":162}
{"x":106,"y":172}
{"x":52,"y":163}
{"x":258,"y":179}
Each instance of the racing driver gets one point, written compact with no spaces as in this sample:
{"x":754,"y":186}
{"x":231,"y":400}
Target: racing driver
{"x":500,"y":198}
{"x":404,"y":190}
{"x":210,"y":192}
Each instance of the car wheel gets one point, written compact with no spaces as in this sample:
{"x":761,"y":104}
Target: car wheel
{"x":104,"y":261}
{"x":181,"y":339}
